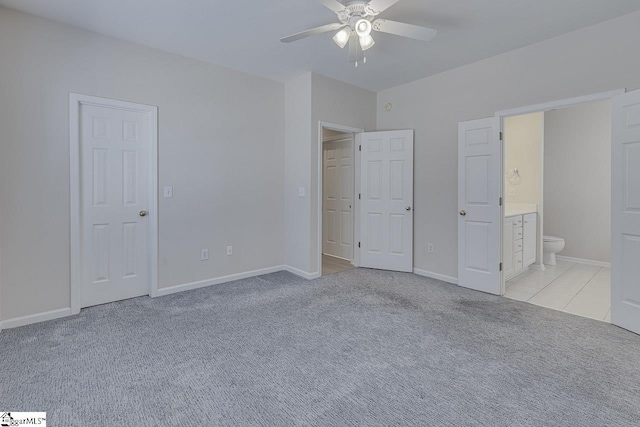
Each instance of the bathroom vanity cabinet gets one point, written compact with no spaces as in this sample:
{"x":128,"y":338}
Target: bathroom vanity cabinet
{"x":519,"y":243}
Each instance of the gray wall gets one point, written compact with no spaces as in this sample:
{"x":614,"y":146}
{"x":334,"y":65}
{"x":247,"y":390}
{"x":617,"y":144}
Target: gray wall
{"x":587,"y":61}
{"x":339,"y":103}
{"x":297,"y":159}
{"x":221,"y":145}
{"x":310,"y":99}
{"x":577,"y":179}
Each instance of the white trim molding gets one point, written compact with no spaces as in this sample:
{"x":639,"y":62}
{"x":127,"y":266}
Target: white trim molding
{"x":35,"y":318}
{"x":553,"y":105}
{"x":437,"y":276}
{"x":64,"y":312}
{"x":217,"y":280}
{"x":232,"y":277}
{"x":583,"y":261}
{"x":303,"y":274}
{"x":75,"y":101}
{"x":356,"y":189}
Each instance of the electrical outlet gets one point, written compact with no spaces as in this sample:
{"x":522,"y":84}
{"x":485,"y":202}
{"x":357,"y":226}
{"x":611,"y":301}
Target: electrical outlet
{"x":512,"y":192}
{"x":430,"y":248}
{"x":229,"y":250}
{"x":204,"y":254}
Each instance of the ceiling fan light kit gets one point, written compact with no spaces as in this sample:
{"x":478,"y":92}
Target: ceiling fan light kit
{"x":366,"y":42}
{"x":363,"y":28}
{"x":357,"y":19}
{"x":342,"y":37}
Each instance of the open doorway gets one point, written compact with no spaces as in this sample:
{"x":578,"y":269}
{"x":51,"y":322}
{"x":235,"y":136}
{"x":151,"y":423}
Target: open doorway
{"x":369,"y":204}
{"x":481,"y":233}
{"x":557,"y":220}
{"x":338,"y":200}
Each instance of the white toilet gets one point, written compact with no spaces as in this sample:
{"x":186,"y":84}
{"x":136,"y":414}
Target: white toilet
{"x":550,"y":246}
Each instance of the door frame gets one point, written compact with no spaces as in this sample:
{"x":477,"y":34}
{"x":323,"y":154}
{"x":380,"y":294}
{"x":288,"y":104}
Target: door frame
{"x":540,"y":108}
{"x":342,"y":137}
{"x":356,"y":187}
{"x":75,"y":173}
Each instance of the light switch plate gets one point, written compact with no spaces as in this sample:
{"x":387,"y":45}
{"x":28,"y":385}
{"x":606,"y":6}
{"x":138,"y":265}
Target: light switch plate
{"x":168,"y":192}
{"x":301,"y":192}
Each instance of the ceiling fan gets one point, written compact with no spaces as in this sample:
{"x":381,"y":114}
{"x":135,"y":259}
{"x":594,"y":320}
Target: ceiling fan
{"x":357,"y":19}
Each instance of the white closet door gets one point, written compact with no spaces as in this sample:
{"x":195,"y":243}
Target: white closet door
{"x":115,"y":150}
{"x":386,"y":214}
{"x":337,"y":198}
{"x":479,"y":188}
{"x":625,"y":215}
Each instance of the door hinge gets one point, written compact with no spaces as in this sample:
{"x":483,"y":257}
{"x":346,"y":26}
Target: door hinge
{"x":358,"y":244}
{"x":500,"y":266}
{"x":500,"y":136}
{"x":359,"y":196}
{"x":359,"y":147}
{"x":500,"y":201}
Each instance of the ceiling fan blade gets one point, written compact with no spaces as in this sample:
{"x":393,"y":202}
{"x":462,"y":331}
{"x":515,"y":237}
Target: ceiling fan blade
{"x":404,"y":30}
{"x":312,"y":32}
{"x":334,"y":5}
{"x":377,"y":6}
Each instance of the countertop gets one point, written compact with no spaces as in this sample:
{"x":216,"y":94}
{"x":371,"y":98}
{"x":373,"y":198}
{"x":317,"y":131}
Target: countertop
{"x":514,"y":209}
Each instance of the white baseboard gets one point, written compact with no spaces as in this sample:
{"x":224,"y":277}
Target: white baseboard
{"x":63,"y":312}
{"x":303,"y":274}
{"x":34,"y":318}
{"x":218,"y":280}
{"x":583,"y":261}
{"x":425,"y":273}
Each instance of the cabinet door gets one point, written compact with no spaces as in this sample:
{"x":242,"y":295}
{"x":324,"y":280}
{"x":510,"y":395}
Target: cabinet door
{"x":507,"y":248}
{"x":529,"y":239}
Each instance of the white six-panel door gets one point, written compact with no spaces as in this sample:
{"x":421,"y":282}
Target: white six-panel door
{"x":479,"y":210}
{"x":337,"y":198}
{"x":625,"y":215}
{"x":386,"y":209}
{"x":114,"y":167}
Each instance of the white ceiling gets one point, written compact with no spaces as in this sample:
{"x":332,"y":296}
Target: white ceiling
{"x":244,"y":34}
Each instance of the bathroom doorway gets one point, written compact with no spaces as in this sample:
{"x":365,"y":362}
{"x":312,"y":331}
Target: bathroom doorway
{"x":557,"y":212}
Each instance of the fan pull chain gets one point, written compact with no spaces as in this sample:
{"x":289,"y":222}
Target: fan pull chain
{"x":357,"y":44}
{"x":364,"y":58}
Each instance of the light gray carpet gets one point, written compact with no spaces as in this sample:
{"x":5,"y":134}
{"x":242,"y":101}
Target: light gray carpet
{"x":357,"y":348}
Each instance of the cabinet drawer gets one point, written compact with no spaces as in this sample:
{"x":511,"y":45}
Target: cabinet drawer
{"x":518,"y":246}
{"x":518,"y":261}
{"x":517,"y":233}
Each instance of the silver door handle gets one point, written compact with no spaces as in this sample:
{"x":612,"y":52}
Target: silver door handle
{"x":143,"y":213}
{"x":463,"y":213}
{"x":408,"y":208}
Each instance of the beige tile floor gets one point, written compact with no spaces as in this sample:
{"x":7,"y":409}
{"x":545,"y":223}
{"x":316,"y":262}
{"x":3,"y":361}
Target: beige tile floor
{"x":579,"y":289}
{"x":332,"y":265}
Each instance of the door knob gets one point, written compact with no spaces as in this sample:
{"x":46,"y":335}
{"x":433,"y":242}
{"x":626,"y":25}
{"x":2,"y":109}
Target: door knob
{"x":408,"y":208}
{"x":143,"y":213}
{"x":463,"y":213}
